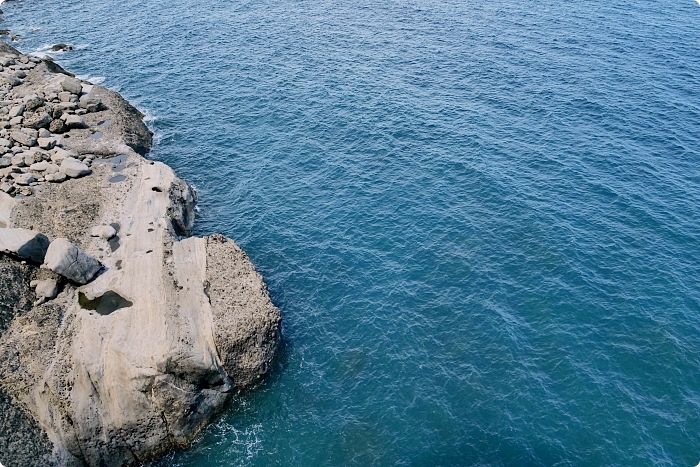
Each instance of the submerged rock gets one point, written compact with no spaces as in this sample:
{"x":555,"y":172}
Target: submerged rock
{"x":61,"y":47}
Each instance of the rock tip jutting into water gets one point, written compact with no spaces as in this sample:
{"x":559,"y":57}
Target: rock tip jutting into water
{"x":121,"y":337}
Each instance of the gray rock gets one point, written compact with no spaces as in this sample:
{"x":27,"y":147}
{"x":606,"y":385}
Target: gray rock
{"x":47,"y":288}
{"x":72,"y":85}
{"x":5,"y":162}
{"x":74,"y":168}
{"x":56,"y":177}
{"x":16,"y":121}
{"x":46,"y":143}
{"x":74,"y":121}
{"x":23,"y":138}
{"x":31,"y":132}
{"x":39,"y":166}
{"x":65,"y":96}
{"x":33,"y":102}
{"x":51,"y":169}
{"x":91,"y":103}
{"x":24,"y":243}
{"x":20,"y":74}
{"x":24,"y":179}
{"x":37,"y":120}
{"x":16,"y":111}
{"x":5,"y":142}
{"x":13,"y":80}
{"x":104,"y":231}
{"x":18,"y":160}
{"x":66,"y":259}
{"x":59,"y":154}
{"x":44,"y":133}
{"x":31,"y":157}
{"x":57,"y":126}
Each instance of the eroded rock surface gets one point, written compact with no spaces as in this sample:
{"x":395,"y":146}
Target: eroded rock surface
{"x":141,"y":357}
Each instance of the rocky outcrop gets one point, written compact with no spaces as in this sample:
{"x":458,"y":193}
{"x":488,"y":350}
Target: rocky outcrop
{"x":131,"y":336}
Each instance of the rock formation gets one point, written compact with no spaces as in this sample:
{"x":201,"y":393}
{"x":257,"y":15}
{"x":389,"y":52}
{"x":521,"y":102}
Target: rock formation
{"x":120,"y":336}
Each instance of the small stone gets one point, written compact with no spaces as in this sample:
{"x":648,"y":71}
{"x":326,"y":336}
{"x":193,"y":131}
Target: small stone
{"x":25,"y":191}
{"x":58,"y":126}
{"x":72,"y":85}
{"x":31,"y":132}
{"x":66,"y":259}
{"x":46,"y":143}
{"x":17,"y":121}
{"x":57,"y":177}
{"x":5,"y":142}
{"x":104,"y":231}
{"x":39,"y":166}
{"x":51,"y":169}
{"x":33,"y":102}
{"x":59,"y":154}
{"x":74,"y":121}
{"x":16,"y":111}
{"x":44,"y":133}
{"x":31,"y":158}
{"x":23,"y":138}
{"x":20,"y":74}
{"x":5,"y":162}
{"x":24,"y":179}
{"x":74,"y":168}
{"x":47,"y":288}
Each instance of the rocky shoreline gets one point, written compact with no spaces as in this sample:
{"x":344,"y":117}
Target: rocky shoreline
{"x":121,"y":336}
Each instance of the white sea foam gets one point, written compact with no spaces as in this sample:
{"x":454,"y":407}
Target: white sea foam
{"x":92,"y":79}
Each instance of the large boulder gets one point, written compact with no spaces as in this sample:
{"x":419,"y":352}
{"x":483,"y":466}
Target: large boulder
{"x":66,"y":259}
{"x":24,"y":243}
{"x":72,"y":85}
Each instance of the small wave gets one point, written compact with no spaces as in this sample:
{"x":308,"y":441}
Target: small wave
{"x":92,"y":79}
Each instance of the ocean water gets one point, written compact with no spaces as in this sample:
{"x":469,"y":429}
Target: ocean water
{"x":481,"y":220}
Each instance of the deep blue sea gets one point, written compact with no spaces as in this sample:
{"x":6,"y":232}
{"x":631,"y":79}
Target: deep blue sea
{"x":480,"y":219}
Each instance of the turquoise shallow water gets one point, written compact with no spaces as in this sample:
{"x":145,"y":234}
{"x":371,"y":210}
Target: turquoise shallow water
{"x":479,"y":219}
